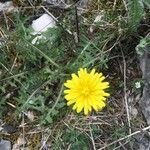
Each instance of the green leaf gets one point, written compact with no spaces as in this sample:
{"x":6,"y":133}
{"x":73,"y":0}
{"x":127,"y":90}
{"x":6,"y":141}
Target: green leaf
{"x":141,"y":47}
{"x":147,"y":3}
{"x":49,"y":119}
{"x":55,"y":112}
{"x":136,"y":12}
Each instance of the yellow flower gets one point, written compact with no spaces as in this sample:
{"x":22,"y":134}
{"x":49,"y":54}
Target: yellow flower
{"x":86,"y":91}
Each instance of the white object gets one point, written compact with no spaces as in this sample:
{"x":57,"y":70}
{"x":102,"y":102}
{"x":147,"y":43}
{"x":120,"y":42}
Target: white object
{"x":43,"y":23}
{"x":37,"y":38}
{"x":7,"y":6}
{"x":138,"y":85}
{"x":40,"y":25}
{"x":134,"y":112}
{"x":98,"y":18}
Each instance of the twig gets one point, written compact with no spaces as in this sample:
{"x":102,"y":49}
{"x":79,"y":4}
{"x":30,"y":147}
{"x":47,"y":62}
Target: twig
{"x":116,"y":42}
{"x":77,"y":25}
{"x":125,"y":94}
{"x":69,"y":146}
{"x":118,"y":147}
{"x":13,"y":76}
{"x":92,"y":139}
{"x":125,"y":5}
{"x":23,"y":131}
{"x":6,"y":20}
{"x":114,"y":6}
{"x":125,"y":137}
{"x":10,"y":104}
{"x":31,"y":3}
{"x":55,"y":19}
{"x":14,"y":63}
{"x":122,"y":145}
{"x":45,"y":141}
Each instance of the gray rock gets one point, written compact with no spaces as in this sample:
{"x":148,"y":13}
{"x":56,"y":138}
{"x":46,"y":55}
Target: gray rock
{"x":7,"y":6}
{"x":7,"y":128}
{"x":145,"y":67}
{"x":141,"y":142}
{"x":145,"y":63}
{"x":143,"y":49}
{"x":5,"y":145}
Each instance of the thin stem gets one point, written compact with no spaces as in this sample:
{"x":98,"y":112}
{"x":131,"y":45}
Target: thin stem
{"x":43,"y":54}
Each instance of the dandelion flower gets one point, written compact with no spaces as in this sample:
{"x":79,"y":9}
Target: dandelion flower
{"x":86,"y":91}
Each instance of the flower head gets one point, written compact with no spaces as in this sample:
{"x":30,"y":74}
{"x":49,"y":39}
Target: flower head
{"x":86,"y":91}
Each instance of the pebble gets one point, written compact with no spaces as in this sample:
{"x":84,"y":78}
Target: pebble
{"x":7,"y":6}
{"x":41,"y":25}
{"x":5,"y":145}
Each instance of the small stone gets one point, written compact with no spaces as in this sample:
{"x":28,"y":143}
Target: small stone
{"x":138,"y":85}
{"x":30,"y":115}
{"x":7,"y":6}
{"x":43,"y":23}
{"x":134,"y":112}
{"x":8,"y":128}
{"x":5,"y":145}
{"x":20,"y":142}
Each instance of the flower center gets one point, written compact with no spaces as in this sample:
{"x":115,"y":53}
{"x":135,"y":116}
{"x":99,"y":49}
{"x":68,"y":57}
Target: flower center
{"x":85,"y":91}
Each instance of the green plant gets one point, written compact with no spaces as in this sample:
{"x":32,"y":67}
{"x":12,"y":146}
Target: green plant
{"x":76,"y":139}
{"x":143,"y":45}
{"x":136,"y":12}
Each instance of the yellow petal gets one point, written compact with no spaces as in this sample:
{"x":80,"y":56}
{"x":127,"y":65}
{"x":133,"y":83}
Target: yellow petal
{"x":71,"y":95}
{"x":74,"y":107}
{"x":92,"y":72}
{"x":102,"y":78}
{"x":101,"y":104}
{"x":89,"y":108}
{"x":86,"y":110}
{"x":74,"y":76}
{"x":66,"y":91}
{"x":79,"y":108}
{"x":81,"y":72}
{"x":71,"y":102}
{"x":68,"y":84}
{"x":95,"y":107}
{"x":106,"y":94}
